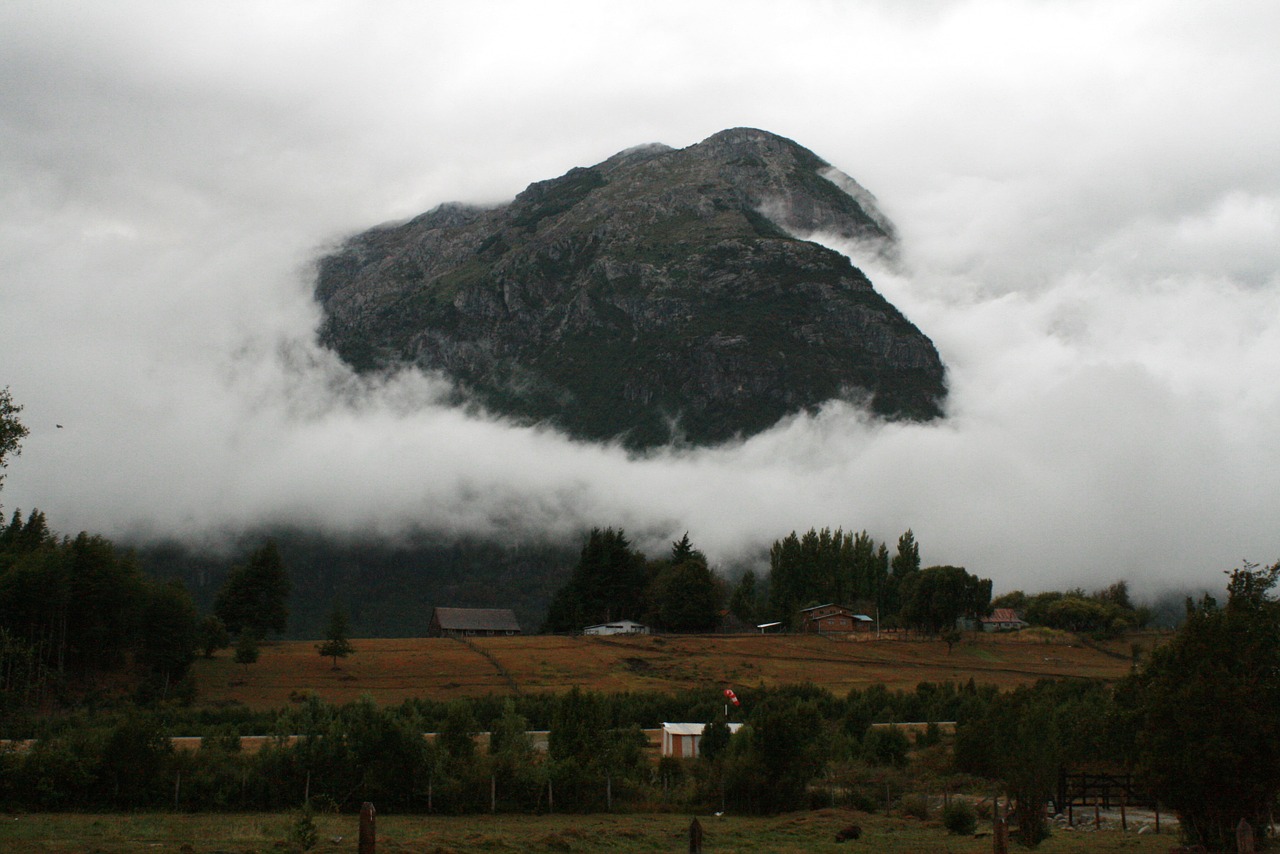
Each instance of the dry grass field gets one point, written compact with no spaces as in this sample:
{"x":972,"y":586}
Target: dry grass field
{"x":391,"y":670}
{"x":793,"y":833}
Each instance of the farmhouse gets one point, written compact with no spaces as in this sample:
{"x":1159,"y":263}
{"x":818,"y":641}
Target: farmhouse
{"x":686,"y":739}
{"x":826,"y":619}
{"x":1003,"y":619}
{"x":617,"y":627}
{"x":472,"y":622}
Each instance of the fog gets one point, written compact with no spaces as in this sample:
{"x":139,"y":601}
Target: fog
{"x":1087,"y":196}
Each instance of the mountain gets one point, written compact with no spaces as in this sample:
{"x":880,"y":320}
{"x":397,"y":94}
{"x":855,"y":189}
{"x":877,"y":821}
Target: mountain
{"x":660,"y":296}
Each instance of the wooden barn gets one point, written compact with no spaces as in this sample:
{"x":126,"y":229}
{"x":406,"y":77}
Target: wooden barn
{"x":830,"y":619}
{"x":473,"y":623}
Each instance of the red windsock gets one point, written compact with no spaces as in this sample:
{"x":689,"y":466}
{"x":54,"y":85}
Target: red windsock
{"x":732,"y":697}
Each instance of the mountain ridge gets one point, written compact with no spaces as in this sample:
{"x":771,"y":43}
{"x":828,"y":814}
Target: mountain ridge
{"x":661,"y":295}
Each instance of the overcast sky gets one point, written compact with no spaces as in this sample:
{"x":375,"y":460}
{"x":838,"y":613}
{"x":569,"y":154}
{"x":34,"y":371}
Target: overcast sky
{"x":1088,"y":195}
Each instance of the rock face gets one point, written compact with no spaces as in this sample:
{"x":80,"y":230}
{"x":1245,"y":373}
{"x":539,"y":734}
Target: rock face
{"x":660,"y":296}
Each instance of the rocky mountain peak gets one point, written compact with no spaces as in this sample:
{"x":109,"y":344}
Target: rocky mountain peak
{"x":661,"y":295}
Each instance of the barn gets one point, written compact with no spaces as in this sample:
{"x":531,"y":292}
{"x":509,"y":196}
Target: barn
{"x":473,"y":623}
{"x":829,"y":618}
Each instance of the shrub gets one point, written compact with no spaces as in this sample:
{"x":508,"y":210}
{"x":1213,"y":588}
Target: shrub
{"x":959,"y":817}
{"x":916,"y":806}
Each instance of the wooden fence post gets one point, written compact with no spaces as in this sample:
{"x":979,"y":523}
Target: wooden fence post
{"x":1000,"y":837}
{"x":1244,"y":838}
{"x":368,"y":833}
{"x":695,"y":836}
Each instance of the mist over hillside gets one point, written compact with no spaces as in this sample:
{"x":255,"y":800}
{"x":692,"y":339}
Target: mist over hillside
{"x":1086,"y":200}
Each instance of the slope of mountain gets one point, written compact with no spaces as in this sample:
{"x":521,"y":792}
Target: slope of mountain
{"x":660,"y":296}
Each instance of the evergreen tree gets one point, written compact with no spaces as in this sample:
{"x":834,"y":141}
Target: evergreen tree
{"x":743,"y":604}
{"x":686,"y":597}
{"x":255,"y":596}
{"x":336,"y":643}
{"x":608,"y":583}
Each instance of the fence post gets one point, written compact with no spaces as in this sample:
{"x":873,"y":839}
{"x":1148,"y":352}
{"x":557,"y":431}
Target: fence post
{"x":368,"y":833}
{"x":695,"y":836}
{"x":1000,"y":837}
{"x":1244,"y":838}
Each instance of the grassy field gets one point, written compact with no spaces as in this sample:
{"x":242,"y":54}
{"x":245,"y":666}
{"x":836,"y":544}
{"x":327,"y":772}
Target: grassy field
{"x":391,"y":670}
{"x":796,"y":832}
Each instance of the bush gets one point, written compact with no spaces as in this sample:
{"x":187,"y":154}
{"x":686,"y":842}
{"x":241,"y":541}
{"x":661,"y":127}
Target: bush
{"x":959,"y":817}
{"x":916,"y":806}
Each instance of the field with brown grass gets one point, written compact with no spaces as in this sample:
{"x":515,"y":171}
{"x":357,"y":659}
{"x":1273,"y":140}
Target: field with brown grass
{"x":391,"y":670}
{"x":791,"y":833}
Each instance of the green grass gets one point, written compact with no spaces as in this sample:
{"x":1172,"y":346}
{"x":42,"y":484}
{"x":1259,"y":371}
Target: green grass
{"x":793,"y":832}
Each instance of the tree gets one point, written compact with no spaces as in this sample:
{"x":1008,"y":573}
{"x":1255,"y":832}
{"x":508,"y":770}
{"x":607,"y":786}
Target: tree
{"x":170,"y":629}
{"x":686,"y":596}
{"x":1204,"y":711}
{"x":336,"y":643}
{"x":247,"y":651}
{"x":12,"y":431}
{"x":213,"y":635}
{"x":255,"y":596}
{"x":608,"y":583}
{"x":743,"y":604}
{"x":934,"y":598}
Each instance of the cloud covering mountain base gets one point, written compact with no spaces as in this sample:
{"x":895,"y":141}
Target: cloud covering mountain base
{"x":1093,"y":246}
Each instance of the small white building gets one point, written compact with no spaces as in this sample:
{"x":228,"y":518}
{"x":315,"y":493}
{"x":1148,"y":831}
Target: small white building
{"x":617,"y":627}
{"x":685,"y":740}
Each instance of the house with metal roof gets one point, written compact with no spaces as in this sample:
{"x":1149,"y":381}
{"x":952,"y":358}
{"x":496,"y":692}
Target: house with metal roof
{"x":830,"y":618}
{"x":617,"y":627}
{"x":473,"y":622}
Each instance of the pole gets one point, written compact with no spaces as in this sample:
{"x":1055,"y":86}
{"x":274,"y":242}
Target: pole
{"x":368,"y":832}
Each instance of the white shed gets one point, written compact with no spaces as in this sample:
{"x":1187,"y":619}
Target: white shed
{"x":686,"y":739}
{"x":617,"y":627}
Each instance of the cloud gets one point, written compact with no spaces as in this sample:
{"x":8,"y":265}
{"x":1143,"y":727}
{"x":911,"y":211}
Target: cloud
{"x":1086,"y":193}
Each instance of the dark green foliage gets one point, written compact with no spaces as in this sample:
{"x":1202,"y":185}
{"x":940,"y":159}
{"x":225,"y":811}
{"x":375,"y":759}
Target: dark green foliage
{"x":745,"y":601}
{"x":388,"y":587}
{"x":827,"y":567}
{"x":959,"y":817}
{"x":1203,"y":712}
{"x":213,"y":635}
{"x":685,"y":597}
{"x":74,"y":608}
{"x":715,"y":739}
{"x":12,"y":430}
{"x":337,"y":643}
{"x":934,"y":598}
{"x":770,"y":762}
{"x":255,"y":596}
{"x":1104,"y":612}
{"x":247,"y":650}
{"x":169,"y":633}
{"x":608,"y":583}
{"x":303,"y":833}
{"x":887,"y":745}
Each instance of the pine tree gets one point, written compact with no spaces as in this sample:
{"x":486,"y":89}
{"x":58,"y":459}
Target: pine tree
{"x":255,"y":596}
{"x":336,"y":643}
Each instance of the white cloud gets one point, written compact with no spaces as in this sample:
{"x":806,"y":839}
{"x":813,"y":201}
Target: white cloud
{"x":1086,"y":191}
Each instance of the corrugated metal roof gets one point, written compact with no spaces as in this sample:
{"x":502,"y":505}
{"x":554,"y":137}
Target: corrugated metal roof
{"x":477,"y":619}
